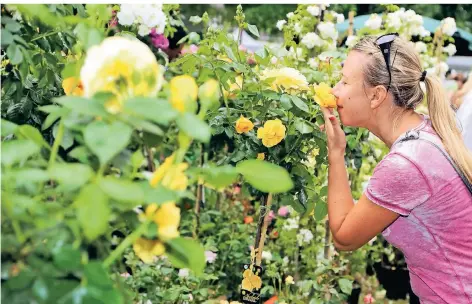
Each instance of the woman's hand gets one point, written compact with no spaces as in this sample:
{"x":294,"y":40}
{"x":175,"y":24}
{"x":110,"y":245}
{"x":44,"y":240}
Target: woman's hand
{"x":335,"y":135}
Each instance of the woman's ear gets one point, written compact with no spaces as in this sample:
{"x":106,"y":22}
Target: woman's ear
{"x":379,"y":95}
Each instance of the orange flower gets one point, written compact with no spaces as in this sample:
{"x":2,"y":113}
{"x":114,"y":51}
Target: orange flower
{"x":248,"y":220}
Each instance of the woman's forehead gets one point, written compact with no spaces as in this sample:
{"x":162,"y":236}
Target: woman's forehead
{"x":353,"y":65}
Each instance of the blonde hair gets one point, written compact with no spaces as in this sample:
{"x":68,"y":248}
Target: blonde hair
{"x":407,"y":93}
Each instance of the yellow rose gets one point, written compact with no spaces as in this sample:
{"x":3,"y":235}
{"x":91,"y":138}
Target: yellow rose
{"x":73,"y":86}
{"x":146,"y":250}
{"x":233,"y":87}
{"x":243,"y":125}
{"x":323,"y":96}
{"x":124,"y":67}
{"x":261,"y":156}
{"x":289,"y":280}
{"x":183,"y":93}
{"x":272,"y":133}
{"x":167,"y":219}
{"x":170,"y":176}
{"x":289,"y":80}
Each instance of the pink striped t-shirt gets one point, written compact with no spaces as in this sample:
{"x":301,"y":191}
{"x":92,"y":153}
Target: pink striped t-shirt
{"x":434,"y":230}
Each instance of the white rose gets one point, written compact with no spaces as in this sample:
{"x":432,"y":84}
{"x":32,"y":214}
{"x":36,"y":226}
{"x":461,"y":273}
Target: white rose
{"x":314,"y":10}
{"x":421,"y":47}
{"x":311,"y":40}
{"x":126,"y":15}
{"x":424,"y":32}
{"x":351,"y":41}
{"x":450,"y":49}
{"x":374,"y":22}
{"x":394,"y":21}
{"x":339,"y":18}
{"x":266,"y":255}
{"x":290,"y":15}
{"x":280,"y":24}
{"x":143,"y":30}
{"x":328,"y":30}
{"x":448,"y":26}
{"x":313,"y":63}
{"x":183,"y":273}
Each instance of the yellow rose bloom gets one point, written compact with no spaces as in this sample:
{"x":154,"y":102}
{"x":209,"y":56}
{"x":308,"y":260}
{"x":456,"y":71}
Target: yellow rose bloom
{"x":209,"y":90}
{"x":170,"y":176}
{"x":289,"y":280}
{"x":323,"y":95}
{"x":167,"y":219}
{"x":146,"y":250}
{"x":72,"y":86}
{"x":261,"y":156}
{"x":183,"y":93}
{"x":234,"y":87}
{"x":289,"y":80}
{"x":243,"y":125}
{"x":272,"y":133}
{"x":124,"y":67}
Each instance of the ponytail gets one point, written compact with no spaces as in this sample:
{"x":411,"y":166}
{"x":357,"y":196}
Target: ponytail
{"x":444,"y":123}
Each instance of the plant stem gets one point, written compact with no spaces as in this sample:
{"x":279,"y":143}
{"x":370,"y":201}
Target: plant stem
{"x":57,"y":143}
{"x":125,"y":244}
{"x":43,"y":36}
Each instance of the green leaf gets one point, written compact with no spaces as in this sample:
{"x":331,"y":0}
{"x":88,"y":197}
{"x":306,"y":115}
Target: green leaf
{"x":67,"y":258}
{"x":94,"y":37}
{"x":137,"y":159}
{"x":220,"y":177}
{"x":93,"y":211}
{"x":321,"y":210}
{"x":70,"y":176}
{"x":13,"y":27}
{"x":144,"y":125}
{"x":7,"y":37}
{"x":82,"y":105}
{"x":303,"y":126}
{"x":157,"y":195}
{"x":14,"y":53}
{"x":107,"y":140}
{"x":40,"y":289}
{"x":195,"y":19}
{"x":97,"y":275}
{"x":191,"y":125}
{"x":8,"y":127}
{"x":157,"y":110}
{"x":18,"y":150}
{"x":285,"y":102}
{"x":21,"y":281}
{"x":122,"y":190}
{"x":345,"y":285}
{"x":295,"y":203}
{"x":186,"y":253}
{"x":230,"y":53}
{"x":265,"y":176}
{"x":30,"y":132}
{"x":31,"y":175}
{"x":300,"y":104}
{"x":253,"y":29}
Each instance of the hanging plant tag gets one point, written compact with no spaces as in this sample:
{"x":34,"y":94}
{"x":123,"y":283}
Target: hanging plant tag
{"x":251,"y":284}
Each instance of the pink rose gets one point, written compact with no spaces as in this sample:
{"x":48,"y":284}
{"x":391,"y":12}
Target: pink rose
{"x":283,"y":211}
{"x":242,"y":48}
{"x":271,"y":215}
{"x":160,"y":41}
{"x":210,"y":256}
{"x":368,"y":299}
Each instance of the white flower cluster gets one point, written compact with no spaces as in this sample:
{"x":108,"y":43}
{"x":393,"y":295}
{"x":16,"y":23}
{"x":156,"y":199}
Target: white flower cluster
{"x":351,"y":41}
{"x":314,"y":10}
{"x":421,"y":47}
{"x":296,"y":54}
{"x":448,"y":26}
{"x":327,"y":30}
{"x":408,"y":23}
{"x":311,"y":40}
{"x":450,"y":49}
{"x":280,"y":24}
{"x":374,"y":22}
{"x":291,"y":223}
{"x":266,"y":255}
{"x":304,"y":236}
{"x":145,"y":16}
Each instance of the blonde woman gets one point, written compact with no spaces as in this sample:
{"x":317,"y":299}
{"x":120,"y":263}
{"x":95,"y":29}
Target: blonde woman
{"x":415,"y":197}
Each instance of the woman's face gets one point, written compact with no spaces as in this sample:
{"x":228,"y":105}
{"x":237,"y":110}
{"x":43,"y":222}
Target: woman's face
{"x":351,"y":93}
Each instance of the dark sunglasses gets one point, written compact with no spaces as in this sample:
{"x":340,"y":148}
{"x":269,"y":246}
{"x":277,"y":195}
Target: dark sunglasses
{"x":384,"y":42}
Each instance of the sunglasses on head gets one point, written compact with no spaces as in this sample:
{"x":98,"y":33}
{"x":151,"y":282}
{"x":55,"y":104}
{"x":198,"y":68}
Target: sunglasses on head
{"x":384,"y":42}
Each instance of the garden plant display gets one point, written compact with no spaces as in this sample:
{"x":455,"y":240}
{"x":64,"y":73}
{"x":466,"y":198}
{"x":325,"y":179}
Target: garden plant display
{"x":129,"y":178}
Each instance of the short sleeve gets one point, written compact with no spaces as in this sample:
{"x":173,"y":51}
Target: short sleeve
{"x":398,"y":184}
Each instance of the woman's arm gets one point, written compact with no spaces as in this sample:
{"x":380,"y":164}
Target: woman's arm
{"x":352,"y":225}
